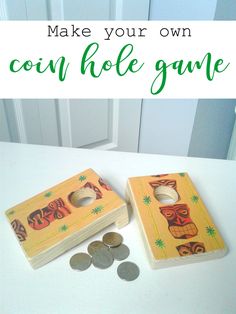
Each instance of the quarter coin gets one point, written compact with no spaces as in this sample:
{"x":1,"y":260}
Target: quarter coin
{"x":112,"y":239}
{"x":94,"y":246}
{"x":102,"y":258}
{"x":80,"y":261}
{"x":128,"y":271}
{"x":120,"y":252}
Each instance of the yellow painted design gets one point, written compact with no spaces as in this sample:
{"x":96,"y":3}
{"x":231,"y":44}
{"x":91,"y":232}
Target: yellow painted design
{"x":155,"y":225}
{"x":38,"y":241}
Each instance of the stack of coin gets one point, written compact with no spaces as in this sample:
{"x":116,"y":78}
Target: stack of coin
{"x":113,"y":241}
{"x":102,"y":255}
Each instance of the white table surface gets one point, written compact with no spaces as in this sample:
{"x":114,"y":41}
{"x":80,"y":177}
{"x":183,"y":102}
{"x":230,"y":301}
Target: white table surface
{"x":206,"y":287}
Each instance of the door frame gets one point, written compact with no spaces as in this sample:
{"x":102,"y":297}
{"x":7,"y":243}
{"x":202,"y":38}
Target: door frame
{"x":125,"y":114}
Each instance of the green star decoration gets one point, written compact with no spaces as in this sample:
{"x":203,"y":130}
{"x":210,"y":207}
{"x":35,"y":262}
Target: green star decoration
{"x":194,"y":199}
{"x":210,"y":231}
{"x":182,"y":174}
{"x":160,"y":243}
{"x":63,"y":228}
{"x":97,"y":210}
{"x":82,"y":178}
{"x":48,"y":194}
{"x":147,"y":200}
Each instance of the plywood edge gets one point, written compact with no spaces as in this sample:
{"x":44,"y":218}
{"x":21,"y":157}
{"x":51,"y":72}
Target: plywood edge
{"x":130,"y":199}
{"x":171,"y":262}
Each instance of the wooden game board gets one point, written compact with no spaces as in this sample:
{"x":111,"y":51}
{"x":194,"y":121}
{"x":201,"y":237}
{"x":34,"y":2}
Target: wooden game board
{"x":56,"y":220}
{"x":177,"y":233}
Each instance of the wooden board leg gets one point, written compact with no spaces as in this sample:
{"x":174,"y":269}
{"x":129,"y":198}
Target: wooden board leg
{"x":123,"y":219}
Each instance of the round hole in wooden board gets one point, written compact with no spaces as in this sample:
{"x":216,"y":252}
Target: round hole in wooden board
{"x":166,"y":195}
{"x":82,"y":197}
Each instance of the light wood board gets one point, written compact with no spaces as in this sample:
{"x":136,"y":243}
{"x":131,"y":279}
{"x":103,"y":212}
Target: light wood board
{"x":57,"y":219}
{"x":174,"y":233}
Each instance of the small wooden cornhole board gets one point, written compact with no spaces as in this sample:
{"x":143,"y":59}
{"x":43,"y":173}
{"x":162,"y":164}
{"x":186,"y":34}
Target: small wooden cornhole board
{"x":175,"y":224}
{"x":61,"y":217}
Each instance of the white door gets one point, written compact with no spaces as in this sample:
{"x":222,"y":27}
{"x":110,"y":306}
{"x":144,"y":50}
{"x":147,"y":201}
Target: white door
{"x":90,"y":123}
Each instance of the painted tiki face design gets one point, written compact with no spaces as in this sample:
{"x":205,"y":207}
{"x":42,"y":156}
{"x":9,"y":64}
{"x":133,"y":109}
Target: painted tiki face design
{"x":165,"y":187}
{"x":191,"y":248}
{"x":104,"y":185}
{"x":163,"y":182}
{"x":19,"y":229}
{"x":179,"y":221}
{"x":94,"y":188}
{"x":41,"y":218}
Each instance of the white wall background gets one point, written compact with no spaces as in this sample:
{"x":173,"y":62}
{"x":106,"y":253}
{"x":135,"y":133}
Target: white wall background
{"x":225,"y":10}
{"x":182,"y":9}
{"x":212,"y":128}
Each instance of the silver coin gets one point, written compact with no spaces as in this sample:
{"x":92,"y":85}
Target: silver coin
{"x":80,"y":261}
{"x":120,"y":252}
{"x":112,"y":239}
{"x":94,"y":246}
{"x":102,"y":258}
{"x":128,"y":271}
